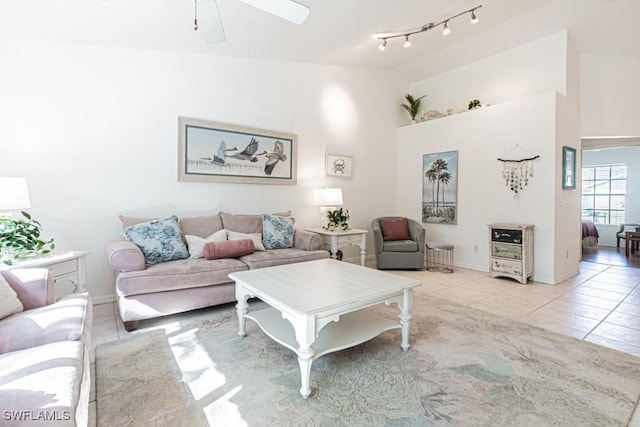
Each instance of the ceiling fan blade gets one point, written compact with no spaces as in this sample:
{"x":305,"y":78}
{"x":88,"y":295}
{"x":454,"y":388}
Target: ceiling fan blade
{"x":209,"y":21}
{"x":286,"y":9}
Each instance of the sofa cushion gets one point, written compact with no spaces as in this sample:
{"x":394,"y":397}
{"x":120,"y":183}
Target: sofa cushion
{"x":9,"y":302}
{"x":256,"y":238}
{"x":229,"y":249}
{"x":201,"y":226}
{"x":245,"y":223}
{"x":68,"y":319}
{"x":281,"y":256}
{"x":196,"y":243}
{"x":180,"y":274}
{"x":400,"y":246}
{"x":159,"y":240}
{"x":395,"y":229}
{"x":50,"y":380}
{"x":277,"y":231}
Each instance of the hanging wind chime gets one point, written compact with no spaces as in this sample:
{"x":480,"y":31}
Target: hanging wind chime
{"x":516,"y":172}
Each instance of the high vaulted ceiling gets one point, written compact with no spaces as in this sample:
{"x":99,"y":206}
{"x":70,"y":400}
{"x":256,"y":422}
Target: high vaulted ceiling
{"x":338,"y":32}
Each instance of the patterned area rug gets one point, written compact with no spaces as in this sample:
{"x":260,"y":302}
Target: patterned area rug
{"x":465,"y":367}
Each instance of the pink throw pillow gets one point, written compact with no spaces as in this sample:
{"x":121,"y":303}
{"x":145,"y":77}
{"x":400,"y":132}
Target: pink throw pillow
{"x":395,"y":229}
{"x":228,"y":249}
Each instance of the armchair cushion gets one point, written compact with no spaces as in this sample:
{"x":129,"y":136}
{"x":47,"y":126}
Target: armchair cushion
{"x":34,"y":286}
{"x":9,"y":302}
{"x":400,"y":246}
{"x":395,"y":229}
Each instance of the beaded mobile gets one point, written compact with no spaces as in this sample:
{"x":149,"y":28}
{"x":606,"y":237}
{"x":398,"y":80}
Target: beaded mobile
{"x":516,"y":172}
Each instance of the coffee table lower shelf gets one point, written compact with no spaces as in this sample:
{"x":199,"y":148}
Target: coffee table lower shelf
{"x":352,"y":329}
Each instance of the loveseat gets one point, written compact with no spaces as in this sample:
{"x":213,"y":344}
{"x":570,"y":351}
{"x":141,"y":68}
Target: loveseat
{"x":44,"y":352}
{"x":146,"y":288}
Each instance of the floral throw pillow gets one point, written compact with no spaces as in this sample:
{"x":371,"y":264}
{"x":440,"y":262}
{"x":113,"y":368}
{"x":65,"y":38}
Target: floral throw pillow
{"x":159,"y":240}
{"x":277,"y":231}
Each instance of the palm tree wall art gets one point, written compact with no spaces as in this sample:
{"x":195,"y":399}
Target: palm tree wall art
{"x":440,"y":188}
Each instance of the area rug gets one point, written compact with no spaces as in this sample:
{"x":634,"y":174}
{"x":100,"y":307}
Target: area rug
{"x":464,"y":367}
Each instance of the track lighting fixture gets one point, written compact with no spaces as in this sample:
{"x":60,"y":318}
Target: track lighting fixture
{"x":446,"y":31}
{"x":426,"y":27}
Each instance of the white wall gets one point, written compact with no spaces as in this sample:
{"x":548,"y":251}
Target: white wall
{"x":531,"y":69}
{"x":94,"y":130}
{"x":524,"y":82}
{"x":610,"y":96}
{"x":481,"y":137}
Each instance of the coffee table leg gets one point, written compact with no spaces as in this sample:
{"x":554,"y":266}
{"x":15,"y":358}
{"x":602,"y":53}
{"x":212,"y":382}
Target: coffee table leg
{"x":405,"y":318}
{"x":241,"y":309}
{"x":305,"y":359}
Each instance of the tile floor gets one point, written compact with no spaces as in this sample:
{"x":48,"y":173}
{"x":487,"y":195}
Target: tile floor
{"x":600,"y":305}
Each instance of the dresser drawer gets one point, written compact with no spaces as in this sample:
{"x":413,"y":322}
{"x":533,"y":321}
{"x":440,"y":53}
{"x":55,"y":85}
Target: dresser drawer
{"x":510,"y":251}
{"x":62,"y":268}
{"x":506,"y":235}
{"x":506,"y":266}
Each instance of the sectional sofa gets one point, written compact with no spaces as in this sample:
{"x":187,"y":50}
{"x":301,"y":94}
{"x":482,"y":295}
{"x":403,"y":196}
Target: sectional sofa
{"x":146,"y":290}
{"x":44,"y":353}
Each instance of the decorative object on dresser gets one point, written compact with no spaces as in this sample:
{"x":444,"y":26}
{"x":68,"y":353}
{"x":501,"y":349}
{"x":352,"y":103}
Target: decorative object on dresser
{"x":517,"y":170}
{"x":220,"y":152}
{"x":440,"y":188}
{"x":511,"y":248}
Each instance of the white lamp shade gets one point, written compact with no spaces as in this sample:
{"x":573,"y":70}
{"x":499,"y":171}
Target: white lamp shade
{"x":14,"y":194}
{"x":327,"y":197}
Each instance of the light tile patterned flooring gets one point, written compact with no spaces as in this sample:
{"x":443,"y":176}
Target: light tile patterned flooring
{"x":600,"y":305}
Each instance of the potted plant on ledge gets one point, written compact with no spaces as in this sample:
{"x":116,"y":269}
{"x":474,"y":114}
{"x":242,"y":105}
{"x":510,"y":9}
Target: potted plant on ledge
{"x":412,"y":106}
{"x":20,"y":238}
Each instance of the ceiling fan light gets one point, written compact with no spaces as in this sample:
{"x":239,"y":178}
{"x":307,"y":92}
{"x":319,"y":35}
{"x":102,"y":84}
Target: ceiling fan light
{"x":286,"y":9}
{"x":407,"y":43}
{"x":474,"y":18}
{"x":446,"y":30}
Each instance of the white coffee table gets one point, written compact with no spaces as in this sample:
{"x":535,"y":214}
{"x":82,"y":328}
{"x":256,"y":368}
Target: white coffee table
{"x":319,"y":307}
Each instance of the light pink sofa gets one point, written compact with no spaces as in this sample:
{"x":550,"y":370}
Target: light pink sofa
{"x":145,"y":292}
{"x":44,"y":354}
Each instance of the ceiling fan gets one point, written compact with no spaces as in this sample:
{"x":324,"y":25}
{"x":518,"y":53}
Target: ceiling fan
{"x":211,"y":24}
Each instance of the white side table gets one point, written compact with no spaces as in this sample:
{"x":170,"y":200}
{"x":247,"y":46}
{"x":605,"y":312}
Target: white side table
{"x":67,"y":265}
{"x":334,"y":240}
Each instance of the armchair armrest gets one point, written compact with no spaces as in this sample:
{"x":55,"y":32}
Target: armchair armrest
{"x":307,"y":240}
{"x":124,"y":255}
{"x":377,"y":236}
{"x":34,"y":286}
{"x":418,"y":234}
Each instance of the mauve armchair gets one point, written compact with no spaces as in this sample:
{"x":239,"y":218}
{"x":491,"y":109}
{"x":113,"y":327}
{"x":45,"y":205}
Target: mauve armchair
{"x":399,"y":243}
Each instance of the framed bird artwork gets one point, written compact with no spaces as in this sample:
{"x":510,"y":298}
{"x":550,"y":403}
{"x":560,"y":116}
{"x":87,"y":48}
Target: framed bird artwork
{"x":220,"y":152}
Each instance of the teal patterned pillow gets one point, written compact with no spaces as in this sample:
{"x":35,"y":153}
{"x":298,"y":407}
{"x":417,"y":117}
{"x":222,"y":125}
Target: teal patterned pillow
{"x":277,"y":231}
{"x":159,"y":240}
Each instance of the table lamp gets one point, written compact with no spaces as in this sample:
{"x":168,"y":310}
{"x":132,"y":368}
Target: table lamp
{"x":14,"y":194}
{"x":327,"y":199}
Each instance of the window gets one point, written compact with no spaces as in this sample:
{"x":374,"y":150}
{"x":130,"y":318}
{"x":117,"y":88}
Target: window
{"x":604,"y":189}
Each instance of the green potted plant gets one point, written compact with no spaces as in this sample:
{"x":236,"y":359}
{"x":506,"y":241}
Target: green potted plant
{"x":474,"y":104}
{"x":20,"y":238}
{"x":412,"y":106}
{"x":337,"y":219}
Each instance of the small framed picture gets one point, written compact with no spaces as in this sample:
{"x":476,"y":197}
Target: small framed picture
{"x":341,"y":166}
{"x":568,"y":167}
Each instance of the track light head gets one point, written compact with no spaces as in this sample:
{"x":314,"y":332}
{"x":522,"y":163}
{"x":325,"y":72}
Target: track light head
{"x":446,"y":30}
{"x":383,"y":45}
{"x":407,"y":43}
{"x":474,"y":18}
